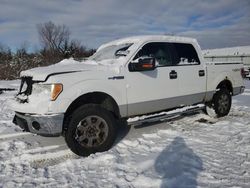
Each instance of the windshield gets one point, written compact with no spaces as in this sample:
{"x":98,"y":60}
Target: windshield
{"x":111,"y":52}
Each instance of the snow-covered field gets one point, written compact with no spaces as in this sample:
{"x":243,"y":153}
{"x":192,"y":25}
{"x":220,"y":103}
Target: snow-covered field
{"x":189,"y":151}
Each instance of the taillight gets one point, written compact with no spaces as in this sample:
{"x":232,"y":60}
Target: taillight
{"x":242,"y":71}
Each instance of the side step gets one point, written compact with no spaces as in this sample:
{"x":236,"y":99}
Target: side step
{"x":166,"y":115}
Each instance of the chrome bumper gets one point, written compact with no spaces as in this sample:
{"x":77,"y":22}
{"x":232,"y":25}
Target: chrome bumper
{"x":44,"y":125}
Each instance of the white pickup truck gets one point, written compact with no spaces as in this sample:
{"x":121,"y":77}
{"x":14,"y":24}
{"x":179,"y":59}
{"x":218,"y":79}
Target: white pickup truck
{"x":124,"y":78}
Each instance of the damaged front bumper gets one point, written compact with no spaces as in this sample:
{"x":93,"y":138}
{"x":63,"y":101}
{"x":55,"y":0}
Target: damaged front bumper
{"x":44,"y":125}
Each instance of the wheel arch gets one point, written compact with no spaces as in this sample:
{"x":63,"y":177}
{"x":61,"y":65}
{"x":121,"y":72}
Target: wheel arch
{"x":103,"y":99}
{"x":225,"y":84}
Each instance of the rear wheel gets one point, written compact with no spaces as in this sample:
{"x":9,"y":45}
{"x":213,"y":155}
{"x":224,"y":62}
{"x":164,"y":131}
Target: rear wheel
{"x":91,"y":129}
{"x":221,"y":103}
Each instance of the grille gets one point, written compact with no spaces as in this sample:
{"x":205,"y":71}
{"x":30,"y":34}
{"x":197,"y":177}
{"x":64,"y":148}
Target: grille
{"x":26,"y":86}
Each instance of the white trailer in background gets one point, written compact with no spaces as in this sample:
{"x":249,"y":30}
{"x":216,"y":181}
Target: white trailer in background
{"x":235,"y":54}
{"x":241,"y":53}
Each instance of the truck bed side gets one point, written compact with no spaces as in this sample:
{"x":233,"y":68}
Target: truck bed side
{"x":221,"y":71}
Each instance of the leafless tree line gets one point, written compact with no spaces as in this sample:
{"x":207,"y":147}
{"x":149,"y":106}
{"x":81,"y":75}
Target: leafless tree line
{"x":56,"y":45}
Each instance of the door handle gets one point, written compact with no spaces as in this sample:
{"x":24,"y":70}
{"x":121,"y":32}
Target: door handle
{"x":201,"y":73}
{"x":173,"y":74}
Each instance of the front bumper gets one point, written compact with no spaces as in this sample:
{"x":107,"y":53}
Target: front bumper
{"x":44,"y":125}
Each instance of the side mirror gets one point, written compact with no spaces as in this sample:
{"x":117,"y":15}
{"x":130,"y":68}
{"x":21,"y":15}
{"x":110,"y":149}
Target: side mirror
{"x":144,"y":64}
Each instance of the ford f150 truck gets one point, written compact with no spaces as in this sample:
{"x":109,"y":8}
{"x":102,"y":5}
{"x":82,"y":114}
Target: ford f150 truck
{"x":128,"y":77}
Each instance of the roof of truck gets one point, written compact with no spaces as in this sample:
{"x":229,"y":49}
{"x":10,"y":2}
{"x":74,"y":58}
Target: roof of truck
{"x":147,"y":38}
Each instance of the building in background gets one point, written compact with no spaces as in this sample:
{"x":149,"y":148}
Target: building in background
{"x":236,"y":54}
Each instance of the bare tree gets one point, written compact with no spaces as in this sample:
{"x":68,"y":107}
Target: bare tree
{"x":57,"y":44}
{"x":54,"y":37}
{"x":5,"y":54}
{"x":22,"y":55}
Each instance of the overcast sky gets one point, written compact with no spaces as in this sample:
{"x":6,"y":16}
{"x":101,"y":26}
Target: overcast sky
{"x":215,"y":23}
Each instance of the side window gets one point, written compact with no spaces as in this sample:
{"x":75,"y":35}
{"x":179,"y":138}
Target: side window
{"x":186,"y":54}
{"x":160,"y":51}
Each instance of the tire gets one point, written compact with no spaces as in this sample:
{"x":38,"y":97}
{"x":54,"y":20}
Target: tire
{"x":209,"y":110}
{"x":91,"y":129}
{"x":222,"y":101}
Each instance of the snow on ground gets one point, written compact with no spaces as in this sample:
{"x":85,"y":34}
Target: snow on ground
{"x":189,"y":151}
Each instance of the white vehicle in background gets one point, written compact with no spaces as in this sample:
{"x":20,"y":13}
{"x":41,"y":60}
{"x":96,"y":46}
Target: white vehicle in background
{"x":83,"y":101}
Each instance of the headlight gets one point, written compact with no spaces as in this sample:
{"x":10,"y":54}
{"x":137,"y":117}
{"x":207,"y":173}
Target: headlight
{"x":51,"y":90}
{"x":41,"y":88}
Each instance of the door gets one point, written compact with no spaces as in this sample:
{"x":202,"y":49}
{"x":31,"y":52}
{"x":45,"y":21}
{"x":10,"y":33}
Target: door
{"x":191,"y":74}
{"x":151,"y":91}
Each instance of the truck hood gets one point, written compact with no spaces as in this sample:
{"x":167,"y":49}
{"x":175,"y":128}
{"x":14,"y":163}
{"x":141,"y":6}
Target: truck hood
{"x":65,"y":67}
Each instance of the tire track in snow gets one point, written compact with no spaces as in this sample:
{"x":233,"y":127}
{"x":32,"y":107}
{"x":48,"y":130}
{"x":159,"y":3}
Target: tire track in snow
{"x":226,"y":155}
{"x":13,"y":135}
{"x":37,"y":159}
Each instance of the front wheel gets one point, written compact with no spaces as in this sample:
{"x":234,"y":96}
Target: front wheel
{"x":221,"y":102}
{"x":91,"y":129}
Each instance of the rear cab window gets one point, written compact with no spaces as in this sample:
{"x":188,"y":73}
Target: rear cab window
{"x":186,"y":54}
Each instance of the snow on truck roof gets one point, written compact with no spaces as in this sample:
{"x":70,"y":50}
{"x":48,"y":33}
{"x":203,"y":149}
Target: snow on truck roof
{"x":146,"y":38}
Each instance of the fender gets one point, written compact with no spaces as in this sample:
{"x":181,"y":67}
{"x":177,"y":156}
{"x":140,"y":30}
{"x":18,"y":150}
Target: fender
{"x":213,"y":83}
{"x":218,"y":79}
{"x":115,"y":88}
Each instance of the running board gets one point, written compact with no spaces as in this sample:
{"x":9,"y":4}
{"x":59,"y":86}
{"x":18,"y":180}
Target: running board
{"x":166,"y":115}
